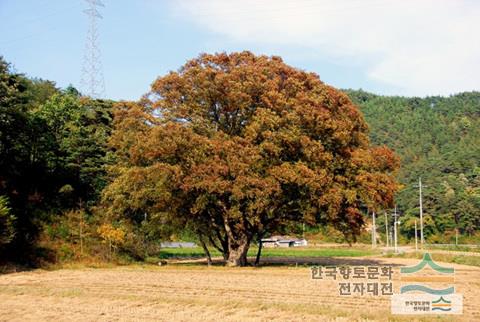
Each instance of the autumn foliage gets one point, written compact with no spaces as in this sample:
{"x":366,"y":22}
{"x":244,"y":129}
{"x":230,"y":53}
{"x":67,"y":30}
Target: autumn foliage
{"x":237,"y":146}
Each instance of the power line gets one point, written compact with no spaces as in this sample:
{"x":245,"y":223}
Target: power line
{"x":45,"y":31}
{"x":16,"y":21}
{"x":287,"y":7}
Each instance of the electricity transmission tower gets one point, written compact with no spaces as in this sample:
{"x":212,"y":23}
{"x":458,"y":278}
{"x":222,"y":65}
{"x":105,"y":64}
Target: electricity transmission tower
{"x":92,"y":81}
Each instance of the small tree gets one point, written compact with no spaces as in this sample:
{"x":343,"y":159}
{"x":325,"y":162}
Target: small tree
{"x":112,"y":236}
{"x":7,"y":229}
{"x":78,"y":227}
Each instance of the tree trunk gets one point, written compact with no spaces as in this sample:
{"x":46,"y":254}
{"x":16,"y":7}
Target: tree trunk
{"x":207,"y":252}
{"x":226,"y":248}
{"x":223,"y":248}
{"x":237,"y":255}
{"x":259,"y":253}
{"x":238,"y":244}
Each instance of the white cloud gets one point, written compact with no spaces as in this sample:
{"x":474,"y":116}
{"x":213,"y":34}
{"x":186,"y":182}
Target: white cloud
{"x":425,"y":47}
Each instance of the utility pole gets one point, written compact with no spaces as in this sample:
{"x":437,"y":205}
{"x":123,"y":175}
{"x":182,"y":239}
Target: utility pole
{"x":386,"y":228}
{"x":145,"y":248}
{"x":374,"y":231}
{"x":395,"y":231}
{"x":391,"y":237}
{"x":92,"y":75}
{"x":416,"y":242}
{"x":421,"y":211}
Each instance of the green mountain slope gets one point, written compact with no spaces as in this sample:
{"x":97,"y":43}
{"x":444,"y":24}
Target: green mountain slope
{"x":438,"y":139}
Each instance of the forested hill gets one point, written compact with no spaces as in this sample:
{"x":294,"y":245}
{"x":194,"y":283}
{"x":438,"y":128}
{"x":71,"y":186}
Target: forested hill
{"x":438,"y":139}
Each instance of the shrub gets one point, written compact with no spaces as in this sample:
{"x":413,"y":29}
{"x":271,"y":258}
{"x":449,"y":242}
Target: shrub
{"x":7,"y":228}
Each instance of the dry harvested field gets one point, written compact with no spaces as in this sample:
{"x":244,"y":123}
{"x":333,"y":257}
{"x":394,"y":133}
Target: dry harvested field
{"x":199,"y":293}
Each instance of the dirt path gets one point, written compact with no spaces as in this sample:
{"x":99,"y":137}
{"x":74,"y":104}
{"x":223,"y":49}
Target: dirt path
{"x":197,"y":293}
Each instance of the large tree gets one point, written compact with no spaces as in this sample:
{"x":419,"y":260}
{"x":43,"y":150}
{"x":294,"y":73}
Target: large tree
{"x":236,"y":146}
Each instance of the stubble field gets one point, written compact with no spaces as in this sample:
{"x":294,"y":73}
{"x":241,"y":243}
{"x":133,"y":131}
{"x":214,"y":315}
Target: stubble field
{"x":195,"y":292}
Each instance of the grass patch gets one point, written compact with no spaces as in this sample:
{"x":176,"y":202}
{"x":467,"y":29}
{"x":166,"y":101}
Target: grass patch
{"x":313,"y":252}
{"x":194,"y":252}
{"x":446,"y":258}
{"x":459,"y":248}
{"x":197,"y":252}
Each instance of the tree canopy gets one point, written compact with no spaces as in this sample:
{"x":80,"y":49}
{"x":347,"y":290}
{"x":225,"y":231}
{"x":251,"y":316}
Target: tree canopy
{"x":236,"y":146}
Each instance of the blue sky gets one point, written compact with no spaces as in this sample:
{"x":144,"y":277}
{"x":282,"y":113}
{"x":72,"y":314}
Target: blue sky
{"x":404,"y":47}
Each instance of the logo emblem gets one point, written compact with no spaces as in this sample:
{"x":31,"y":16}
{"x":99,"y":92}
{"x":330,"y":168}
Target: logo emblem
{"x":427,"y":288}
